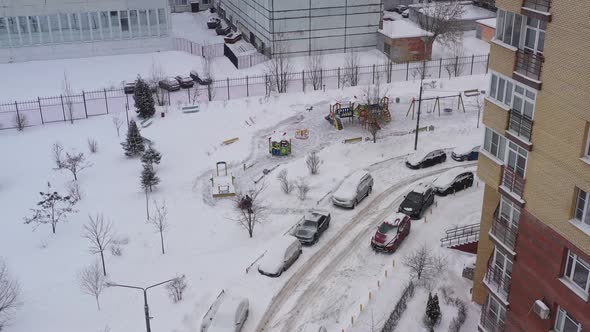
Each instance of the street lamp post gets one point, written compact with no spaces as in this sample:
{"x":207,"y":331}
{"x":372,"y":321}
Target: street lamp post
{"x":145,"y":302}
{"x":422,"y":74}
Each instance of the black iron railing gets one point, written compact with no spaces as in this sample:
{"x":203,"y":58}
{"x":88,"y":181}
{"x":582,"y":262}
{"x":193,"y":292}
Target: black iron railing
{"x":460,"y":235}
{"x":538,"y":5}
{"x":520,"y":124}
{"x":512,"y":181}
{"x":489,"y":321}
{"x":529,"y":64}
{"x":497,"y":280}
{"x":504,"y":231}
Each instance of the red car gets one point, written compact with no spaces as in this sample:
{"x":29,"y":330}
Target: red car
{"x":391,"y":233}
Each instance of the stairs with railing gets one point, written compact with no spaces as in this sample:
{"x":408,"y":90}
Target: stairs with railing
{"x":464,"y":238}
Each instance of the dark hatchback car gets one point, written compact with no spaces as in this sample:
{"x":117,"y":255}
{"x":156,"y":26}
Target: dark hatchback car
{"x":169,"y":84}
{"x":453,"y":180}
{"x":400,"y":9}
{"x":417,"y":201}
{"x":185,"y":82}
{"x":312,"y":226}
{"x":468,"y":152}
{"x":424,"y":159}
{"x":391,"y":233}
{"x":199,"y":79}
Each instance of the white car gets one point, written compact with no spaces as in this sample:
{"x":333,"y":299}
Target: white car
{"x":353,"y":189}
{"x":227,"y":314}
{"x":280,"y":256}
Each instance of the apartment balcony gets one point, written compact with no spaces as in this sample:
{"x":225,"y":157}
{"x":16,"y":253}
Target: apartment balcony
{"x":512,"y":185}
{"x":504,"y":232}
{"x":497,"y":281}
{"x":538,"y":9}
{"x":520,"y":129}
{"x":527,"y":68}
{"x":489,"y":322}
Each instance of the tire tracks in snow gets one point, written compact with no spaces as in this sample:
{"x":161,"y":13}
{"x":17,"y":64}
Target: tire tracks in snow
{"x":372,"y":212}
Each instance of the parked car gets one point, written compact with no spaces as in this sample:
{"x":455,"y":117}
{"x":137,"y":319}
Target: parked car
{"x":426,"y":158}
{"x":312,"y":226}
{"x":400,"y":8}
{"x":417,"y":201}
{"x":227,"y":313}
{"x":201,"y":80}
{"x":129,"y":87}
{"x":353,"y":189}
{"x":406,"y":13}
{"x":213,"y":22}
{"x":466,"y":152}
{"x":391,"y":233}
{"x":453,"y":180}
{"x":169,"y":84}
{"x":185,"y":81}
{"x":232,"y":37}
{"x":280,"y":256}
{"x":222,"y":30}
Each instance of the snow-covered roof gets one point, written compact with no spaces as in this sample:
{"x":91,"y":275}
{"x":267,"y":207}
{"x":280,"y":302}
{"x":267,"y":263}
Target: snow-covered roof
{"x":470,"y":12}
{"x":465,"y":149}
{"x":274,"y":258}
{"x":490,"y":22}
{"x":280,"y":136}
{"x":417,"y":156}
{"x":421,"y":188}
{"x":315,"y":215}
{"x":402,"y":29}
{"x":447,"y":177}
{"x":395,"y":219}
{"x":349,"y":186}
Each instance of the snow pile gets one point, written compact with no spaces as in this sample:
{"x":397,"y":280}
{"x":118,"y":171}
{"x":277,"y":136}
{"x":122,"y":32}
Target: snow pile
{"x":490,"y":22}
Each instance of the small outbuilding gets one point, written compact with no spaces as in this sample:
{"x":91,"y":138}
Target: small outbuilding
{"x":402,"y":41}
{"x":485,"y":29}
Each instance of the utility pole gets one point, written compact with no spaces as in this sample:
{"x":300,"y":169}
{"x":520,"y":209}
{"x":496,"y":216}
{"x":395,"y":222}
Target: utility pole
{"x":420,"y":102}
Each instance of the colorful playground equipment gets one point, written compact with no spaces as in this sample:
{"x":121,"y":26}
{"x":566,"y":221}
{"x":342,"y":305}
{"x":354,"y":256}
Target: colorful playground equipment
{"x":279,"y":145}
{"x":353,"y":109}
{"x":302,"y":133}
{"x":222,"y":181}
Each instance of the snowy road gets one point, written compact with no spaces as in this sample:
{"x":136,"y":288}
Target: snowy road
{"x":290,"y":309}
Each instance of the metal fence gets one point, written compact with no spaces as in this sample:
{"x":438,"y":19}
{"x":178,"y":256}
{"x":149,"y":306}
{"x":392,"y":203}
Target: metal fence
{"x":86,"y":104}
{"x":194,"y":48}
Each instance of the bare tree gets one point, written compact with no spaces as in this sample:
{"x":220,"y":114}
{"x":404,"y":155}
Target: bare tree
{"x":249,"y":209}
{"x":68,"y":97}
{"x":9,"y":296}
{"x":315,"y":67}
{"x":117,"y":245}
{"x":117,"y":122}
{"x":208,"y":75}
{"x":286,"y":185}
{"x":302,"y":189}
{"x":155,"y":76}
{"x":377,"y":117}
{"x":313,"y":162}
{"x":424,"y":264}
{"x":20,"y":121}
{"x":56,"y":151}
{"x":350,"y":76}
{"x":75,"y":163}
{"x":74,"y":191}
{"x":53,"y":209}
{"x":159,"y":220}
{"x":92,"y":281}
{"x":100,"y":234}
{"x":279,"y":67}
{"x":92,"y":145}
{"x":176,"y":288}
{"x":442,"y":20}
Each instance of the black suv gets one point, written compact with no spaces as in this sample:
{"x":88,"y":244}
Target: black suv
{"x":417,"y":201}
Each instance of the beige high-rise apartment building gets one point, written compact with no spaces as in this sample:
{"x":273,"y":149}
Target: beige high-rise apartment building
{"x":533,"y":260}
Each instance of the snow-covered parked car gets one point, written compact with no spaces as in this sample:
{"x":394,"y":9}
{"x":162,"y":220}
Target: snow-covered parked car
{"x":466,"y":152}
{"x":353,"y":189}
{"x":453,"y":180}
{"x":280,"y":256}
{"x":391,"y":233}
{"x":185,"y":81}
{"x":417,"y":201}
{"x":200,"y":79}
{"x":227,"y":313}
{"x":232,"y":37}
{"x":426,"y":158}
{"x":213,"y":22}
{"x":169,"y":84}
{"x":129,"y":87}
{"x":312,"y":226}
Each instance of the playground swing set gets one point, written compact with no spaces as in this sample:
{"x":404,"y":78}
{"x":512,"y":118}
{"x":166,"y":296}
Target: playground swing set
{"x":354,"y":109}
{"x":437,"y":103}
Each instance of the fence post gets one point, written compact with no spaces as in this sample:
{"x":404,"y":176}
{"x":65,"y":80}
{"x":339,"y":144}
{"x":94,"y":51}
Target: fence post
{"x":338,"y":77}
{"x":373,"y":74}
{"x":407,"y":69}
{"x":227,"y":80}
{"x":488,"y":63}
{"x":18,"y":122}
{"x":191,"y":48}
{"x":247,"y":87}
{"x":439,"y":67}
{"x":456,"y":64}
{"x":106,"y":101}
{"x":40,"y":110}
{"x":63,"y":109}
{"x":303,"y":80}
{"x":472,"y":58}
{"x":266,"y":84}
{"x":390,"y":73}
{"x":188,"y":92}
{"x":169,"y":103}
{"x":85,"y":108}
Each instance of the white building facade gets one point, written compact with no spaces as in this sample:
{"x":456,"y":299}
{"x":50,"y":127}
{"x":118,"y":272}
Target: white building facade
{"x":50,"y":29}
{"x":302,"y":27}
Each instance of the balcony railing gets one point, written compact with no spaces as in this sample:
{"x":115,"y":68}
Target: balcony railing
{"x":512,"y":181}
{"x":489,"y":321}
{"x":504,"y":231}
{"x":529,"y":64}
{"x":520,"y":124}
{"x":497,"y":280}
{"x":538,"y":5}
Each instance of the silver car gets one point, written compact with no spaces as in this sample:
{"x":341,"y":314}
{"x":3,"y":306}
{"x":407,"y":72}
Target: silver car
{"x":227,"y":313}
{"x":353,"y":190}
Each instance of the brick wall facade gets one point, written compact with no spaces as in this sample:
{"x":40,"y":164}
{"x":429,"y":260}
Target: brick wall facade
{"x":502,"y":59}
{"x":489,"y":171}
{"x":540,"y":262}
{"x":487,"y":32}
{"x":495,"y":117}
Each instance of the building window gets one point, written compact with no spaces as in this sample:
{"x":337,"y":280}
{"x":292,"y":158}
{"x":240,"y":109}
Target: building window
{"x":577,"y":271}
{"x":566,"y":323}
{"x":387,"y":49}
{"x":495,"y":144}
{"x":501,"y":89}
{"x":517,"y":158}
{"x":162,"y":21}
{"x":496,"y":314}
{"x":153,"y":21}
{"x":508,"y":27}
{"x":582,"y":206}
{"x":509,"y":211}
{"x":535,"y":35}
{"x":75,"y":25}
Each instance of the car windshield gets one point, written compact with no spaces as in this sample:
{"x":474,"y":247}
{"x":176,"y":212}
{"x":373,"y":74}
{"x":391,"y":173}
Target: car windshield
{"x":310,"y":223}
{"x":386,"y":228}
{"x":414,"y":197}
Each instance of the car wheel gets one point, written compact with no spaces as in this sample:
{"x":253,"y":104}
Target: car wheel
{"x":443,"y":158}
{"x":315,"y":240}
{"x":369,"y":191}
{"x":354,"y":204}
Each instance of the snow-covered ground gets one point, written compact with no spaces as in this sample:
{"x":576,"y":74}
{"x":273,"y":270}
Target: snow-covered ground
{"x":203,"y":243}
